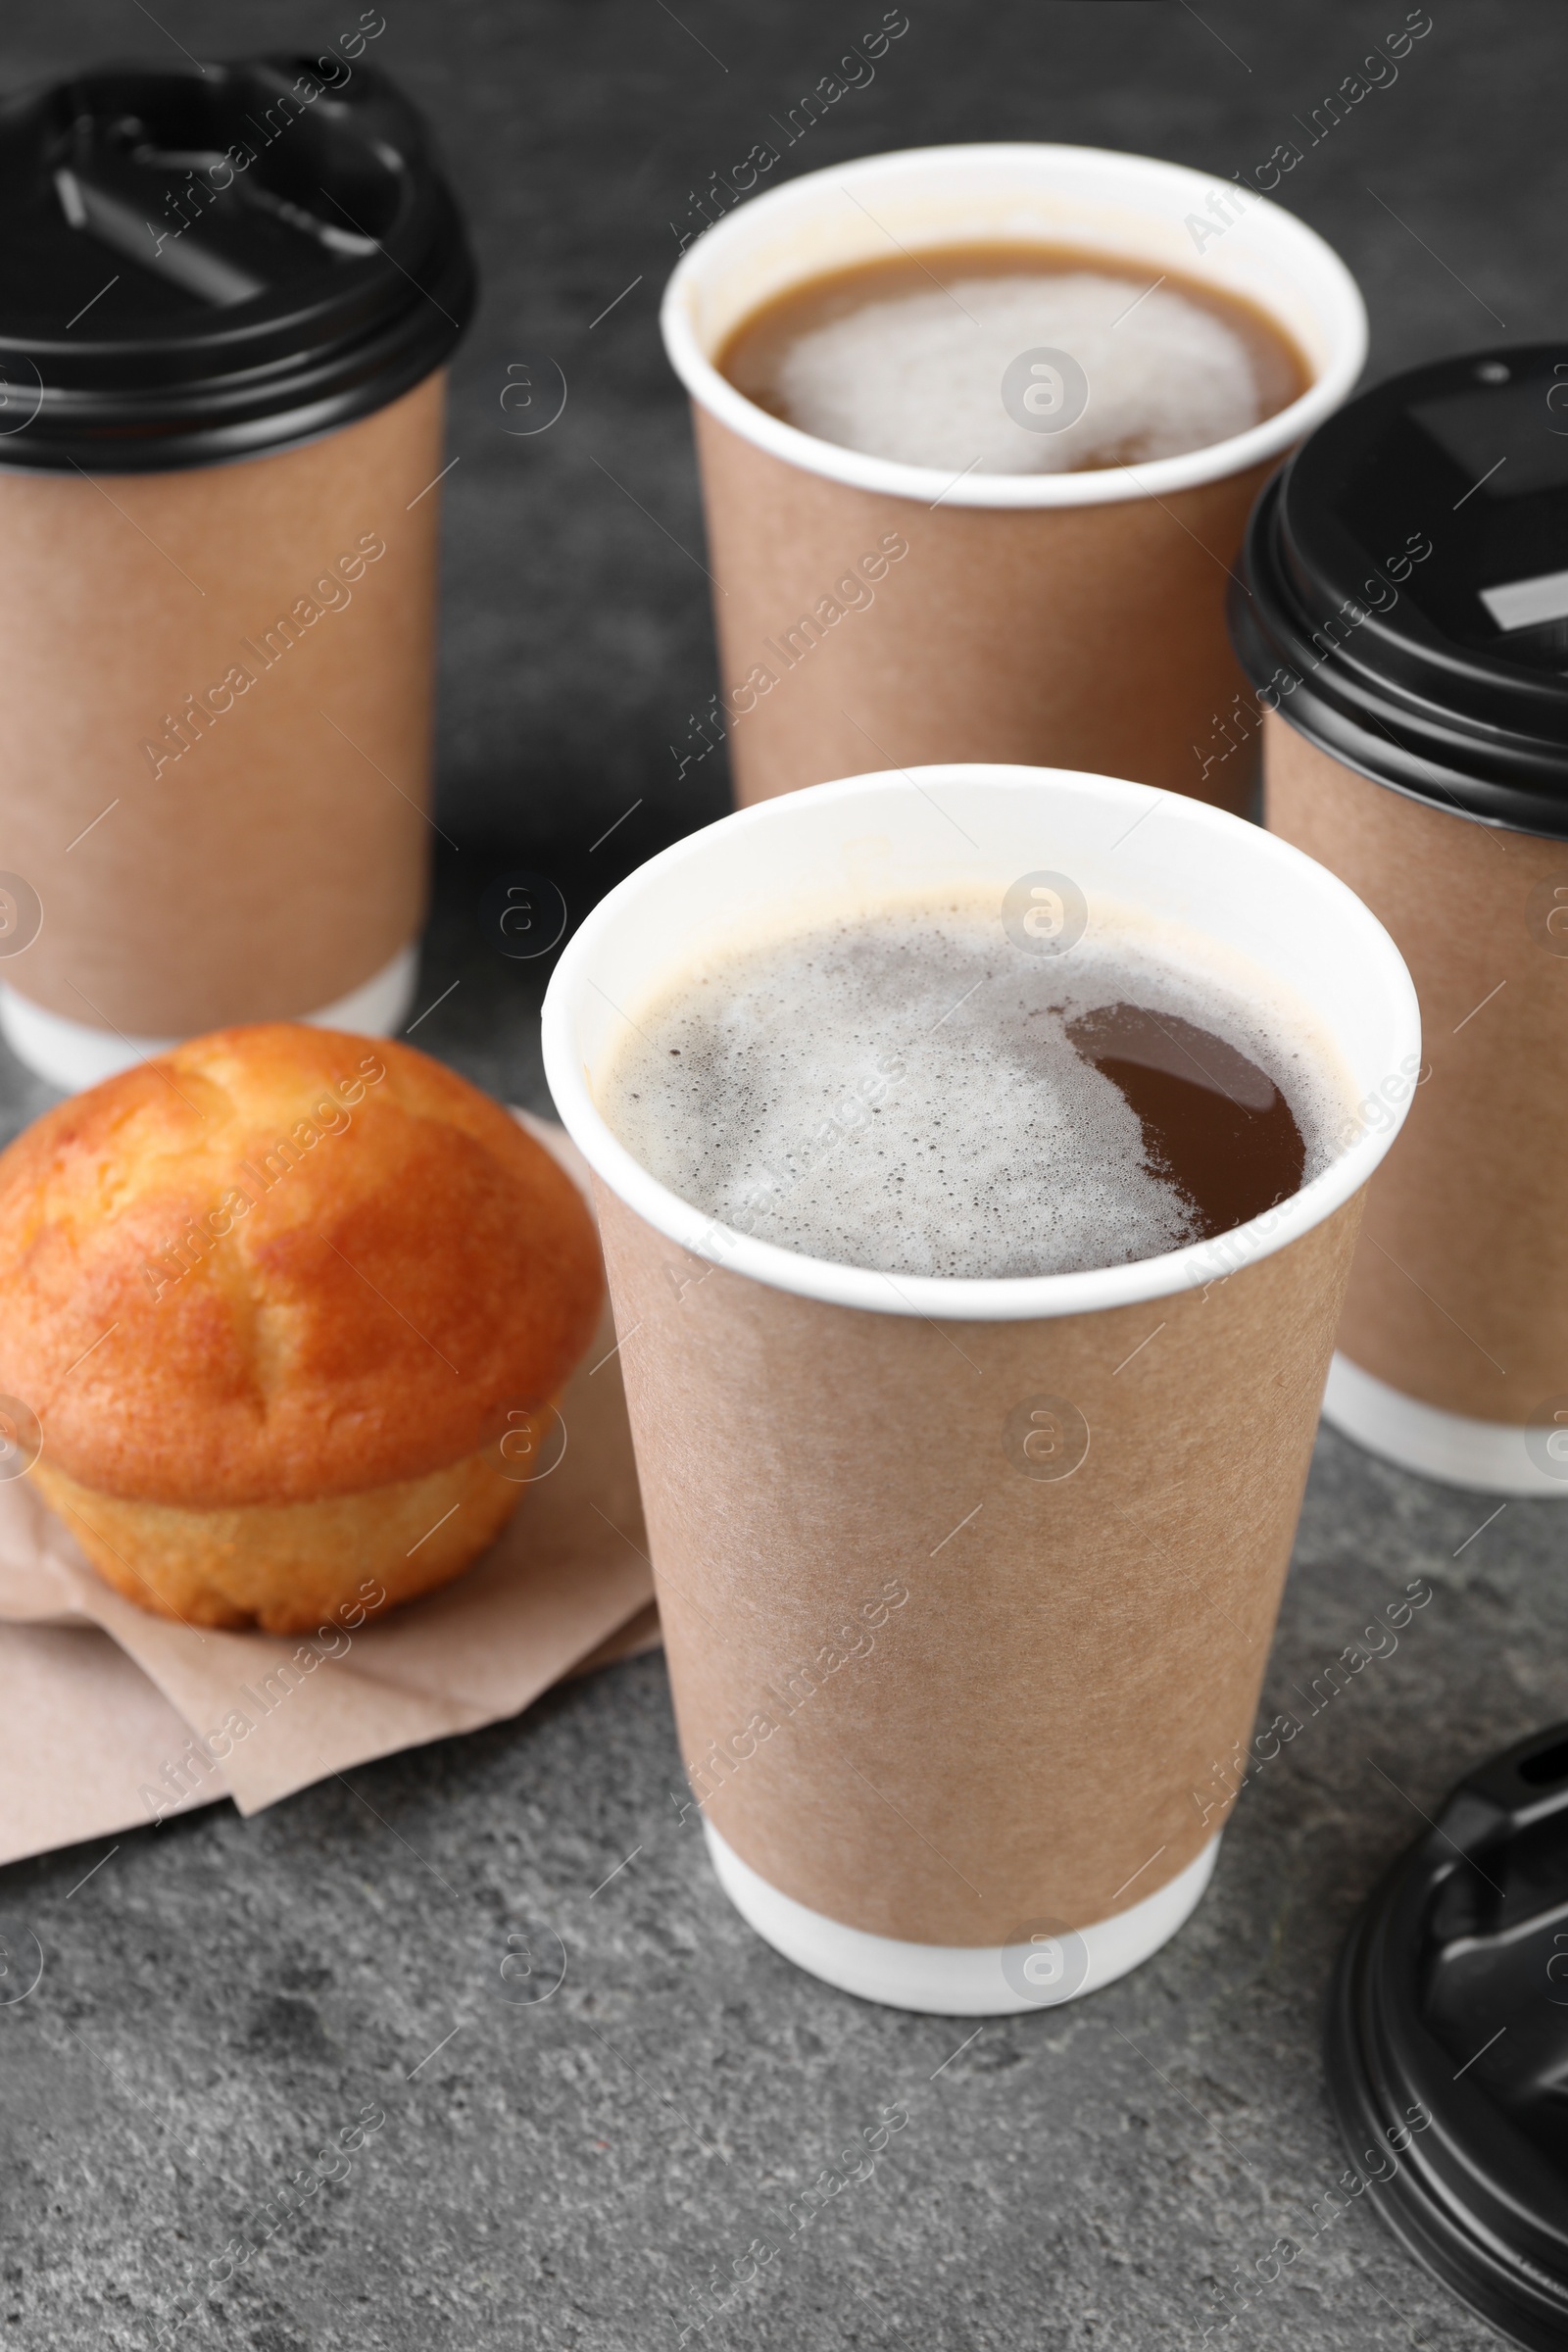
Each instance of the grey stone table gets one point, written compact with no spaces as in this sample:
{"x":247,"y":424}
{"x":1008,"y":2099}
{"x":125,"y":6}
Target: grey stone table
{"x":223,"y":1998}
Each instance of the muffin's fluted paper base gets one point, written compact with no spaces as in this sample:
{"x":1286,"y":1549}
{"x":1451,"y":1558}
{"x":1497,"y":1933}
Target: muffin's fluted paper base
{"x":844,"y":1520}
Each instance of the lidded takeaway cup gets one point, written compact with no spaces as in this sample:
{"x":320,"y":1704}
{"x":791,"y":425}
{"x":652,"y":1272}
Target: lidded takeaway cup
{"x":871,"y":612}
{"x":967,"y":1586}
{"x":1405,"y":623}
{"x":227,"y":294}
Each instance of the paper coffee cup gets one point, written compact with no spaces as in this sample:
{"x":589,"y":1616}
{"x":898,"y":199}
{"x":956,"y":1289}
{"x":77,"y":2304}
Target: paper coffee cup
{"x":1408,"y":648}
{"x":967,"y":1586}
{"x":219,"y":503}
{"x":1063,"y":618}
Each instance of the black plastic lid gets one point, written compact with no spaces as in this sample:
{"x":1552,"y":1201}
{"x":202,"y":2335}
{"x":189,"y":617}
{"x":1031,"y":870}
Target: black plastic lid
{"x":1448,"y":2042}
{"x":212,"y":262}
{"x":1408,"y":568}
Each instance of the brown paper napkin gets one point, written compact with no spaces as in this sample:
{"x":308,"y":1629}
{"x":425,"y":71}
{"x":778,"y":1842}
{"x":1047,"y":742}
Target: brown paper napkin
{"x":84,"y":1729}
{"x":254,"y":1716}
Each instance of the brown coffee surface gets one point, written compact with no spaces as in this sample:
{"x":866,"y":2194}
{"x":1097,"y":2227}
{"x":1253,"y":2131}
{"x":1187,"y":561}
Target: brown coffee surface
{"x":762,"y":354}
{"x":917,"y":1089}
{"x":1213,"y":1120}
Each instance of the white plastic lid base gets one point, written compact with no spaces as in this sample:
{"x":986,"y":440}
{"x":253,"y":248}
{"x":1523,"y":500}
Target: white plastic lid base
{"x":73,"y":1055}
{"x":960,"y":1980}
{"x":1489,"y":1456}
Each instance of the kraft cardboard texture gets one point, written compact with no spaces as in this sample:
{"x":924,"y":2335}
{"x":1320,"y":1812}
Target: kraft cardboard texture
{"x":263,"y":857}
{"x":1459,"y":1292}
{"x":1083,"y":637}
{"x":88,"y":1731}
{"x":118,"y":1715}
{"x":1027,"y":1735}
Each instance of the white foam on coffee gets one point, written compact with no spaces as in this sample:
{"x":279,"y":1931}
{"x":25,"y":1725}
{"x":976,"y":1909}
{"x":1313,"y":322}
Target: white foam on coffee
{"x":896,"y":1090}
{"x":917,"y":377}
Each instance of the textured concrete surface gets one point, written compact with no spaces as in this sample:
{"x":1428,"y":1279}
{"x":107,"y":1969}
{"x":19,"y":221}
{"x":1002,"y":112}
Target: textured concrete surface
{"x":223,"y":1998}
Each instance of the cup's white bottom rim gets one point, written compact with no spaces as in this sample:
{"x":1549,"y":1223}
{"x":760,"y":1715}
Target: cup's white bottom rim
{"x":73,"y":1055}
{"x":959,"y":1980}
{"x":1491,"y":1457}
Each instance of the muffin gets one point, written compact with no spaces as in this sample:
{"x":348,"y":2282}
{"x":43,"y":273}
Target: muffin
{"x":274,"y":1299}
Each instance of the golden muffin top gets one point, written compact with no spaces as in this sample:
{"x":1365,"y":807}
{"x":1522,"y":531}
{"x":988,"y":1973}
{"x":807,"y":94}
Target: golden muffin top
{"x":284,"y":1262}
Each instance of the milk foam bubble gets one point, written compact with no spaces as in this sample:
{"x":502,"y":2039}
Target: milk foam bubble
{"x":898,"y":1091}
{"x":917,"y":376}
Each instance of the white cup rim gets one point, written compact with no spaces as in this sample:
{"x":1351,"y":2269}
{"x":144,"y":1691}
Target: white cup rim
{"x":1342,"y":310}
{"x":941,"y":1297}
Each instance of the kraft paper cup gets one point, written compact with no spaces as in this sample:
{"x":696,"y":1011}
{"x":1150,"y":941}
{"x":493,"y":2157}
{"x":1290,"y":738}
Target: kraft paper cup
{"x":967,"y":1586}
{"x":220,"y":487}
{"x":218,"y":688}
{"x":1454,"y":1351}
{"x":1068,"y":617}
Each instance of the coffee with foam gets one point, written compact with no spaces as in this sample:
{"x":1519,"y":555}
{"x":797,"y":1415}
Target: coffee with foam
{"x":909,"y":360}
{"x":908,"y":1090}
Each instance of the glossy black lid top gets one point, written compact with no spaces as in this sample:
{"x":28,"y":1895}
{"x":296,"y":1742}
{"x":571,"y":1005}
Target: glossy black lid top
{"x":1448,"y":2042}
{"x":1408,"y":570}
{"x":212,"y":261}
